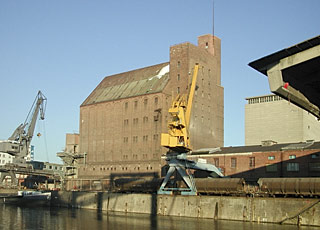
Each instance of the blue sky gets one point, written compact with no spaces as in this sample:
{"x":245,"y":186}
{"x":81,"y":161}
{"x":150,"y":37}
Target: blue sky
{"x":65,"y":48}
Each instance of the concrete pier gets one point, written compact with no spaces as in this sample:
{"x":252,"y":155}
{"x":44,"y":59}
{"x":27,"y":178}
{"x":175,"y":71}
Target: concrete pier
{"x":297,"y":211}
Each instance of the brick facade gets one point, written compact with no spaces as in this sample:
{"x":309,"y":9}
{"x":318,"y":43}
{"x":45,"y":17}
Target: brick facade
{"x":120,"y":132}
{"x":279,"y":160}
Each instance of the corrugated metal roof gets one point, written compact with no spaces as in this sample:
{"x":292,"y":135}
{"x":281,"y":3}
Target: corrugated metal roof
{"x":138,"y":82}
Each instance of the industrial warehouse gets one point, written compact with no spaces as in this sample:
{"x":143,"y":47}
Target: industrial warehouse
{"x":122,"y":119}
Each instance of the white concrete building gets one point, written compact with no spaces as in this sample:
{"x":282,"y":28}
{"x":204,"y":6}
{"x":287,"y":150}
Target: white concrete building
{"x":272,"y":118}
{"x":5,"y":158}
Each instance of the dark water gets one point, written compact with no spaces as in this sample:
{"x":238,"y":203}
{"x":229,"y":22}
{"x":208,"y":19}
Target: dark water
{"x":13,"y":217}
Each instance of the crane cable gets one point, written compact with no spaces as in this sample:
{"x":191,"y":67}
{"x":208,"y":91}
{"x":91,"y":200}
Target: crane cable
{"x":45,"y":141}
{"x":44,"y":136}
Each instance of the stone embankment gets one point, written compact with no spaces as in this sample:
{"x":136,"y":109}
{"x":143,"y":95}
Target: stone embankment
{"x":298,"y":211}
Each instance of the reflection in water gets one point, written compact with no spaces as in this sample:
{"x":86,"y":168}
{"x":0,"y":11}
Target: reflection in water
{"x":12,"y":217}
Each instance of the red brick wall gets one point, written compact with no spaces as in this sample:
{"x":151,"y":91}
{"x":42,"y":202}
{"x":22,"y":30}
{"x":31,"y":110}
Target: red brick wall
{"x":259,"y":170}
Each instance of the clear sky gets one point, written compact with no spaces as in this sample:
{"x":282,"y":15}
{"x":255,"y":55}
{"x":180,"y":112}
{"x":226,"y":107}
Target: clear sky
{"x":65,"y":48}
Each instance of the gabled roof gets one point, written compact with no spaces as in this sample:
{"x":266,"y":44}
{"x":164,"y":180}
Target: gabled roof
{"x":138,"y":82}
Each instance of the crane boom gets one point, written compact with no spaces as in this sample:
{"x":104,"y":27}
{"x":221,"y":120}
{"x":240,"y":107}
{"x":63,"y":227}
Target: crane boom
{"x":19,"y":142}
{"x":191,"y":94}
{"x":177,"y":138}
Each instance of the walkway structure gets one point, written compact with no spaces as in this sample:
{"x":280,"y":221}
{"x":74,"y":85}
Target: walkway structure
{"x":294,"y":74}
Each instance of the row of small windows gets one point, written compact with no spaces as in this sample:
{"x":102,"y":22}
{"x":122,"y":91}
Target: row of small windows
{"x":203,"y":94}
{"x":145,"y":138}
{"x":135,"y":156}
{"x":53,"y":167}
{"x":291,"y":157}
{"x":145,"y":103}
{"x":292,"y":166}
{"x":135,"y":121}
{"x":264,"y":99}
{"x":120,"y":168}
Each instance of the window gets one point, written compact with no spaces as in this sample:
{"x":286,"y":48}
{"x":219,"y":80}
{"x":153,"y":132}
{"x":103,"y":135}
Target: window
{"x":145,"y":102}
{"x":135,"y":139}
{"x":135,"y":121}
{"x":233,"y":162}
{"x":178,"y":64}
{"x":216,"y":162}
{"x":135,"y":104}
{"x":145,"y":138}
{"x":178,"y":78}
{"x":145,"y":119}
{"x":314,"y":156}
{"x":292,"y":167}
{"x":252,"y":162}
{"x":155,"y":137}
{"x":156,"y":100}
{"x":314,"y":166}
{"x":292,"y":157}
{"x":178,"y":90}
{"x":126,"y":122}
{"x":271,"y":168}
{"x":271,"y":158}
{"x":126,"y":105}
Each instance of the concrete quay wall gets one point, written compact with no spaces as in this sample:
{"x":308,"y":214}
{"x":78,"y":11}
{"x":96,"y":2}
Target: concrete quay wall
{"x":299,"y":211}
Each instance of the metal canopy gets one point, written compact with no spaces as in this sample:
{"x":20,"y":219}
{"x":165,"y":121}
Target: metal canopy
{"x":294,"y":74}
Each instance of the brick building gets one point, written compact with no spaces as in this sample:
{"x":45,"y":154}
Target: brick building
{"x":272,"y":118}
{"x":268,"y":160}
{"x":121,"y":121}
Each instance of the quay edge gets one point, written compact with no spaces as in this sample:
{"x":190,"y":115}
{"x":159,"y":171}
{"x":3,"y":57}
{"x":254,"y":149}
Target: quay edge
{"x":297,"y":211}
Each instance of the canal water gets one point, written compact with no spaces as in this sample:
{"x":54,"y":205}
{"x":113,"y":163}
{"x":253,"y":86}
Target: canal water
{"x":13,"y":217}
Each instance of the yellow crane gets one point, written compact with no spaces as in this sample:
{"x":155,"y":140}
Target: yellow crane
{"x":177,"y":140}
